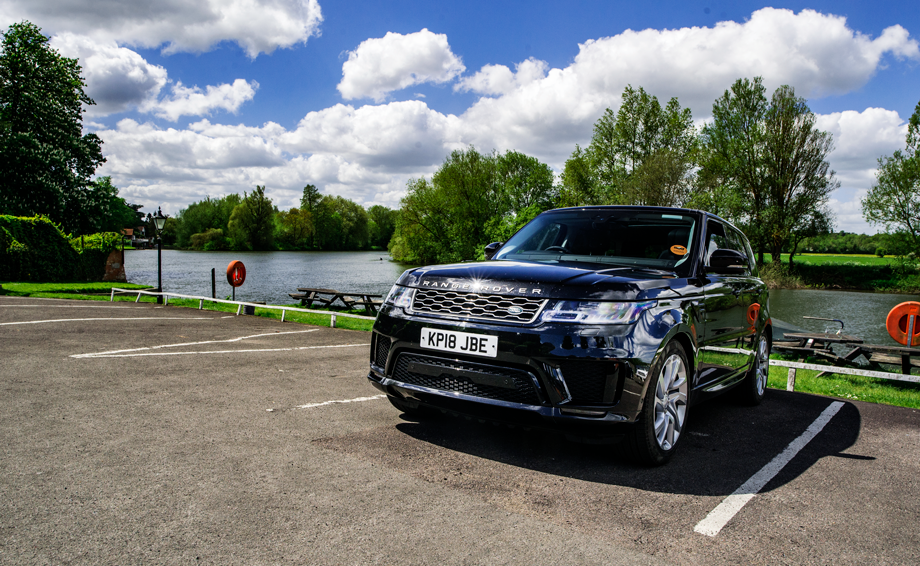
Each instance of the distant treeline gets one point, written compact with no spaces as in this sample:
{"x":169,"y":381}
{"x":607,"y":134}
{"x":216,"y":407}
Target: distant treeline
{"x":848,"y":243}
{"x":252,"y":222}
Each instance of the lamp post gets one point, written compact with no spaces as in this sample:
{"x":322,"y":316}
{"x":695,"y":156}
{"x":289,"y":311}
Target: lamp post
{"x":159,"y":221}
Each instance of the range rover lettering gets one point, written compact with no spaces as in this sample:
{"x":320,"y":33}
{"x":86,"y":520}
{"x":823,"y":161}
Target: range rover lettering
{"x":601,"y":322}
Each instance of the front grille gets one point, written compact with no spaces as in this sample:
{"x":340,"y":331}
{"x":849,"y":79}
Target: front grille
{"x":381,"y":350}
{"x":591,"y":382}
{"x":476,"y":380}
{"x":473,"y":305}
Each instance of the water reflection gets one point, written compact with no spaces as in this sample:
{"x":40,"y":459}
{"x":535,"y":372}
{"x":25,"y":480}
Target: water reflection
{"x":862,"y":313}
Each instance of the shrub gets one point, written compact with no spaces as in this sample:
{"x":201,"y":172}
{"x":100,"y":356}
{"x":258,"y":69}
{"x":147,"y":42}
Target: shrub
{"x":36,"y":249}
{"x":880,"y":251}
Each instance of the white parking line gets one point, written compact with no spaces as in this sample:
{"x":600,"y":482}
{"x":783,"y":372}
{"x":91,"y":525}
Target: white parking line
{"x":342,"y":401}
{"x":107,"y":318}
{"x":203,"y":352}
{"x":111,"y":352}
{"x":730,"y":506}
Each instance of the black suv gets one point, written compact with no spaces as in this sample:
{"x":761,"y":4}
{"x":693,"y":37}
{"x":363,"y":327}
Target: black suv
{"x":598,"y":321}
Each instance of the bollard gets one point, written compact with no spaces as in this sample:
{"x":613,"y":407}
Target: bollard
{"x":238,"y":310}
{"x":213,"y":285}
{"x":790,"y":380}
{"x":200,"y":304}
{"x":332,"y":322}
{"x":282,"y":314}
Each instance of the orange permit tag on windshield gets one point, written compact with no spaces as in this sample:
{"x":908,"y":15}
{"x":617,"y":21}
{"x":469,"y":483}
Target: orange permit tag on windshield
{"x":678,"y":250}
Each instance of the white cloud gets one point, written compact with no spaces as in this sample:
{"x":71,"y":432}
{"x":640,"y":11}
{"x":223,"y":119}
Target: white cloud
{"x":860,"y":138}
{"x":117,"y":78}
{"x":816,"y":53}
{"x":195,"y":102}
{"x":499,"y":79}
{"x":393,"y":62}
{"x":258,"y":26}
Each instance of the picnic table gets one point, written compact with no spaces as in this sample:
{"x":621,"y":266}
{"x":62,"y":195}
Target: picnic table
{"x":328,"y":297}
{"x":819,"y":345}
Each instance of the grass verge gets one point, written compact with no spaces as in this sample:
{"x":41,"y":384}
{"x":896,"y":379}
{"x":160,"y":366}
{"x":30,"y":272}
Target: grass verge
{"x":854,"y":387}
{"x":102,"y":292}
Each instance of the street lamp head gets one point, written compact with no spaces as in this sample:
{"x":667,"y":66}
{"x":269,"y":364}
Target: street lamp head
{"x":160,"y":219}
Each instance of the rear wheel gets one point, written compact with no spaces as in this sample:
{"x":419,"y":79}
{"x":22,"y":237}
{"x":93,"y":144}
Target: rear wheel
{"x":754,"y":386}
{"x":661,"y":423}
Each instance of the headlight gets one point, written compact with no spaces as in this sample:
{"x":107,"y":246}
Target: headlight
{"x":399,"y":297}
{"x":595,"y":312}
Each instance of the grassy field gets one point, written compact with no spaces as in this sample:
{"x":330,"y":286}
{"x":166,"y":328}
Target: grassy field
{"x":831,"y":259}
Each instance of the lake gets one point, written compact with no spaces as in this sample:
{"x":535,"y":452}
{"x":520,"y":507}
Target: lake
{"x":270,"y":276}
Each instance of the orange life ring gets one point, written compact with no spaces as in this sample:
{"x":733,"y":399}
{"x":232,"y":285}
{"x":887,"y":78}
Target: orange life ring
{"x":898,"y":322}
{"x":236,"y":273}
{"x":753,"y":313}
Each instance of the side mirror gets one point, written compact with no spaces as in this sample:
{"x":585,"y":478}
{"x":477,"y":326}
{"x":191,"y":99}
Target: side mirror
{"x":492,"y":248}
{"x":727,"y":262}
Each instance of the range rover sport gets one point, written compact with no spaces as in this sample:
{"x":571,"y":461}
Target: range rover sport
{"x":596,"y":321}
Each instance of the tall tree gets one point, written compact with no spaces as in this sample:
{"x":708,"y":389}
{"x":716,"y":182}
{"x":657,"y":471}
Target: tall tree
{"x":800,"y":178}
{"x":252,"y":222}
{"x":894,"y":200}
{"x":46,"y":162}
{"x":642,"y":154}
{"x":766,"y":163}
{"x":473,"y":199}
{"x":381,"y":226}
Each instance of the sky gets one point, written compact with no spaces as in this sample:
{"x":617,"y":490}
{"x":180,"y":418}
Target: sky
{"x":209,"y":98}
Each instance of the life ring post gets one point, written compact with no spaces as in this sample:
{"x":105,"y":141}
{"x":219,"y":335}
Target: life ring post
{"x":902,"y":324}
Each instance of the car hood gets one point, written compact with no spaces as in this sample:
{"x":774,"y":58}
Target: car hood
{"x":555,"y":281}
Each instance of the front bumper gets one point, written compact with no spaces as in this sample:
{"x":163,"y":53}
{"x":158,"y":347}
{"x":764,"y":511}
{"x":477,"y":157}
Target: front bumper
{"x":587,"y":380}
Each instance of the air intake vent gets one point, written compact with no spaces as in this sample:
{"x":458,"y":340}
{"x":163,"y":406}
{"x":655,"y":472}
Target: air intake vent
{"x":475,"y":380}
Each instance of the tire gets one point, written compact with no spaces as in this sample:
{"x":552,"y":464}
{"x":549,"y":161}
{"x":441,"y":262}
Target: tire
{"x":409,"y":408}
{"x":662,"y":422}
{"x":751,"y":391}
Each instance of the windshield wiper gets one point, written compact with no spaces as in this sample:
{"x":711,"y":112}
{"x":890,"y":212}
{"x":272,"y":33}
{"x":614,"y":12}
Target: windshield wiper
{"x":639,"y":269}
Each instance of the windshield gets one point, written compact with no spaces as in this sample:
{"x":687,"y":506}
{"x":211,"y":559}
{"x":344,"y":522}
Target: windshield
{"x":629,"y":239}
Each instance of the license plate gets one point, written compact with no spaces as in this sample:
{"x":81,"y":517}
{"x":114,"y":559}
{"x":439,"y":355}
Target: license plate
{"x":459,"y":342}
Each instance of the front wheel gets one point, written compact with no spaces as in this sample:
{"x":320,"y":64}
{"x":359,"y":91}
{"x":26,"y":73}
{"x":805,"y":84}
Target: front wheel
{"x":661,"y":423}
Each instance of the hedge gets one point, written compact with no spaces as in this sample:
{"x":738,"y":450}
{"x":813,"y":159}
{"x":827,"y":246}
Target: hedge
{"x":35,"y":249}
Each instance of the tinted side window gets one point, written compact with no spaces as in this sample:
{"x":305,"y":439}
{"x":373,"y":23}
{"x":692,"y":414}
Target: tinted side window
{"x":719,"y":236}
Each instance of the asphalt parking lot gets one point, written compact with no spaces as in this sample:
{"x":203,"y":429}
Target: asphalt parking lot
{"x":141,"y":434}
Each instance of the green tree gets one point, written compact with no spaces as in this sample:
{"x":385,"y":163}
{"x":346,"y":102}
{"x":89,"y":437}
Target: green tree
{"x":643,"y":154}
{"x":470,"y":201}
{"x":381,"y":225}
{"x":766,"y":163}
{"x":208,"y":214}
{"x":46,"y":162}
{"x":251,"y":225}
{"x":341,"y":224}
{"x":894,"y":199}
{"x":295,"y":229}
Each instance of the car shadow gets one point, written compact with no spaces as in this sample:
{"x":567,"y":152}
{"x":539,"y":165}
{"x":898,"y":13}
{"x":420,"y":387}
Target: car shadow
{"x":725,"y":445}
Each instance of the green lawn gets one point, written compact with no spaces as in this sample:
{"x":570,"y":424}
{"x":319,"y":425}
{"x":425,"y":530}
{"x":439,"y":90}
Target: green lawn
{"x":830,"y":259}
{"x":869,"y":389}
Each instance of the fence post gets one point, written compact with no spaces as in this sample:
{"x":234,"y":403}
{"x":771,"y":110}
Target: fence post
{"x":790,"y":380}
{"x":238,"y":309}
{"x":213,"y":285}
{"x":332,"y":322}
{"x":138,"y":298}
{"x":282,"y":314}
{"x":200,"y":303}
{"x":112,"y":298}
